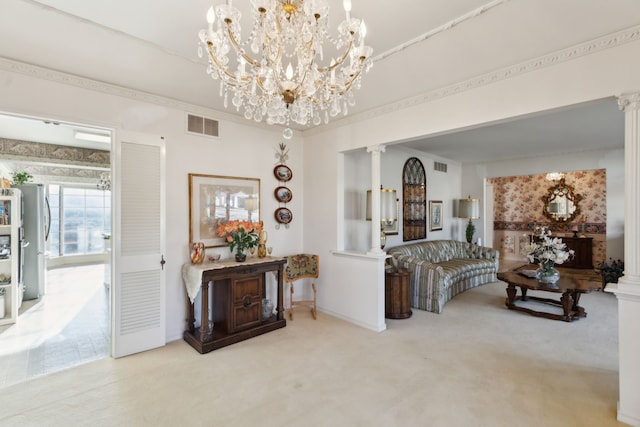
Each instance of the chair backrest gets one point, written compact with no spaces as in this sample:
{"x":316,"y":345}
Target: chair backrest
{"x":300,"y":266}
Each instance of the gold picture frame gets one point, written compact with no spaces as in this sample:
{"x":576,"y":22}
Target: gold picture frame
{"x":215,"y":199}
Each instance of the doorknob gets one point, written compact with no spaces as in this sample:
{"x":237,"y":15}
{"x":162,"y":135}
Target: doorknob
{"x":162,"y":261}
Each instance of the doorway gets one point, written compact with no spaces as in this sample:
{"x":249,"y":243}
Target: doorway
{"x":68,"y":322}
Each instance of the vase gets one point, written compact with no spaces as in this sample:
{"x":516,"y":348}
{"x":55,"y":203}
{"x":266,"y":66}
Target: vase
{"x":241,"y":256}
{"x":197,"y":253}
{"x":547,"y":274}
{"x":267,"y":308}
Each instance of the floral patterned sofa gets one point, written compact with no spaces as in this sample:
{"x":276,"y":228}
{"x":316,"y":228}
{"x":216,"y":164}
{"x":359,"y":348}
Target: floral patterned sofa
{"x":441,"y":269}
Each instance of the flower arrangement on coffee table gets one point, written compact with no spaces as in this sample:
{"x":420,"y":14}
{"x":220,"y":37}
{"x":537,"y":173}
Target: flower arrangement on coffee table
{"x":240,"y":235}
{"x":546,"y":252}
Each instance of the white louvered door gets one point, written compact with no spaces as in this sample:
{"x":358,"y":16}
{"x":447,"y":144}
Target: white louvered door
{"x":138,"y":314}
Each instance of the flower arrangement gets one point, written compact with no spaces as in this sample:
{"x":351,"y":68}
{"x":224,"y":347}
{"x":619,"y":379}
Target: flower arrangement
{"x":547,"y":251}
{"x":240,"y":235}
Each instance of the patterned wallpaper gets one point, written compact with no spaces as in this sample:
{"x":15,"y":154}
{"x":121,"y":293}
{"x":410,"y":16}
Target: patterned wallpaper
{"x":518,"y":208}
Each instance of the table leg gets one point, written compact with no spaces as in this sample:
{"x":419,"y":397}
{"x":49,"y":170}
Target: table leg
{"x":280,"y":307}
{"x":523,"y":290}
{"x":578,"y":311}
{"x":567,"y":305}
{"x":205,"y":330}
{"x":191,"y":320}
{"x":511,"y":295}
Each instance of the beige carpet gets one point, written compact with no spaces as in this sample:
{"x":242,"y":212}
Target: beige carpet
{"x":476,"y":364}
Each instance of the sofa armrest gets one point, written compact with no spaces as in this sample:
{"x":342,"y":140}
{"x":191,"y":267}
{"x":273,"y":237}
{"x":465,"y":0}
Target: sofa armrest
{"x":484,"y":252}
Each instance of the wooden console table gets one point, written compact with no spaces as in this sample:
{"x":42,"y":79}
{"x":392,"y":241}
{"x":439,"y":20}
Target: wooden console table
{"x":583,"y":248}
{"x":238,"y":290}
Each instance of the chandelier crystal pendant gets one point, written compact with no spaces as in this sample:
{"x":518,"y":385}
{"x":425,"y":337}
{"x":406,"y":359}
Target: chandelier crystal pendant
{"x":289,"y":69}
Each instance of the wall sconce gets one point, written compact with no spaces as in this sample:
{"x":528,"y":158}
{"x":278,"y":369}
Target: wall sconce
{"x":469,"y":209}
{"x":388,"y":211}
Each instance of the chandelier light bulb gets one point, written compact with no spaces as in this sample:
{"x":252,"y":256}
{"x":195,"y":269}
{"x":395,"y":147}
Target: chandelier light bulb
{"x":289,"y":68}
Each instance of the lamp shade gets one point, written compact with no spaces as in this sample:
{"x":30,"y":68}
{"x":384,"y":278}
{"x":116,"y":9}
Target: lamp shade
{"x":388,"y":206}
{"x":469,"y":208}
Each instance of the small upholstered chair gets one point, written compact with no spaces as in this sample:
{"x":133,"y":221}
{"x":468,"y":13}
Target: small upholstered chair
{"x":302,"y":266}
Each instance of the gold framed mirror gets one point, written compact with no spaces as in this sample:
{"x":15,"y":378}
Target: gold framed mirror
{"x":561,"y":204}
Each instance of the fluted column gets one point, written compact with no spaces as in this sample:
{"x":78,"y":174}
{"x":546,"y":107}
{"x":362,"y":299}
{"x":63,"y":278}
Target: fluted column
{"x":628,"y":289}
{"x":375,"y":151}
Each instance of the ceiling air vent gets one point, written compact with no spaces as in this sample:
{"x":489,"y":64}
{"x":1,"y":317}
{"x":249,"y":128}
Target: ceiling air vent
{"x":202,"y":125}
{"x":440,"y":167}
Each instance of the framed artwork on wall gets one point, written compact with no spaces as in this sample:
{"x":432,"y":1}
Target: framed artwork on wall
{"x":414,"y":200}
{"x":435,"y":215}
{"x":215,"y":200}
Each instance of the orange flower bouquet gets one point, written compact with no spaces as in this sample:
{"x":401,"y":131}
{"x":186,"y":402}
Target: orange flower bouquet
{"x":240,"y":235}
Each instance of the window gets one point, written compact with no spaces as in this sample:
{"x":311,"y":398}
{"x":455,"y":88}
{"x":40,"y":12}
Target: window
{"x":79,"y":218}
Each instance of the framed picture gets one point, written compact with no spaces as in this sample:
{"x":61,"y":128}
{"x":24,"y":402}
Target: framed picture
{"x":435,"y":215}
{"x":214,"y":200}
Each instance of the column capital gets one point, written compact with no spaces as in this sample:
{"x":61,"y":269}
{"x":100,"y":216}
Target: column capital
{"x":629,"y":101}
{"x":378,"y":148}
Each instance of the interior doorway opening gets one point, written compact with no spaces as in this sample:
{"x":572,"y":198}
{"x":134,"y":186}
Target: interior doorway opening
{"x":65,"y":321}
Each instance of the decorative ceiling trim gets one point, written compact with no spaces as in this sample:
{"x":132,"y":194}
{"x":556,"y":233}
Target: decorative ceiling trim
{"x":442,"y":28}
{"x":52,"y":153}
{"x":596,"y":45}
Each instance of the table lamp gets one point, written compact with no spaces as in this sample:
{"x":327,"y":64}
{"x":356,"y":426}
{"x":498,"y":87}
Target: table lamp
{"x":469,"y":209}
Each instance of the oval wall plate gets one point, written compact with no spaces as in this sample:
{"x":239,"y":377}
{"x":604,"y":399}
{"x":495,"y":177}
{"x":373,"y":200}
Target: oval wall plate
{"x":282,"y":173}
{"x":283,"y":215}
{"x":283,"y":194}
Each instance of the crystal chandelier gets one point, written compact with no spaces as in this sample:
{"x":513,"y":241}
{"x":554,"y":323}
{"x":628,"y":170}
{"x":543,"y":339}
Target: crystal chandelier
{"x":282,"y":73}
{"x":105,"y":182}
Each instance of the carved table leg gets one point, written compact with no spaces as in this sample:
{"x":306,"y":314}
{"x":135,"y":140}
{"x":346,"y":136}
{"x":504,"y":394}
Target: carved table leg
{"x":511,"y":295}
{"x":578,"y":311}
{"x":205,"y":330}
{"x":280,"y":307}
{"x":567,"y":305}
{"x":523,"y":290}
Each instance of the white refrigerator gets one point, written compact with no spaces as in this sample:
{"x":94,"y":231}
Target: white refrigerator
{"x":36,"y":222}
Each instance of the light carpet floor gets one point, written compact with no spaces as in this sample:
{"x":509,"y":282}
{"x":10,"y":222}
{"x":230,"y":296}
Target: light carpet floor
{"x":476,"y":364}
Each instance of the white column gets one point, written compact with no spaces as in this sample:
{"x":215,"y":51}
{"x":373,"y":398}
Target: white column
{"x":628,"y":289}
{"x":375,"y":151}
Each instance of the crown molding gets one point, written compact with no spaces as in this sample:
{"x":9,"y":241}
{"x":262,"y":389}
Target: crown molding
{"x":55,"y":76}
{"x":583,"y":49}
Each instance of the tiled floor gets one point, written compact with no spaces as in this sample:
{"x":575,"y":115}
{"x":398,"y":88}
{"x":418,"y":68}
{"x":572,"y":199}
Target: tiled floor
{"x":69,"y":326}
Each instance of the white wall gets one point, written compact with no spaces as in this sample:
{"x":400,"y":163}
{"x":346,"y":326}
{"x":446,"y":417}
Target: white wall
{"x":601,"y":74}
{"x":319,"y":174}
{"x":240,"y":150}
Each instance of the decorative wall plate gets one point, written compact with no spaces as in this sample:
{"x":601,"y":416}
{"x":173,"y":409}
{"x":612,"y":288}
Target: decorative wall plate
{"x":283,"y":194}
{"x":282,"y":173}
{"x":283,"y":215}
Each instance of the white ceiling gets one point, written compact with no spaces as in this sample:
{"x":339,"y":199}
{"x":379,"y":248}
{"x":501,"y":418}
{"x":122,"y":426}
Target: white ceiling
{"x":151,"y":46}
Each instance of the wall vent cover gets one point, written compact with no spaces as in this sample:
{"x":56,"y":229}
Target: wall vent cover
{"x":202,"y":125}
{"x":440,"y":167}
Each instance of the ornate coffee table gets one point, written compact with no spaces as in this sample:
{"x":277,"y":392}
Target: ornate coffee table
{"x":572,"y":284}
